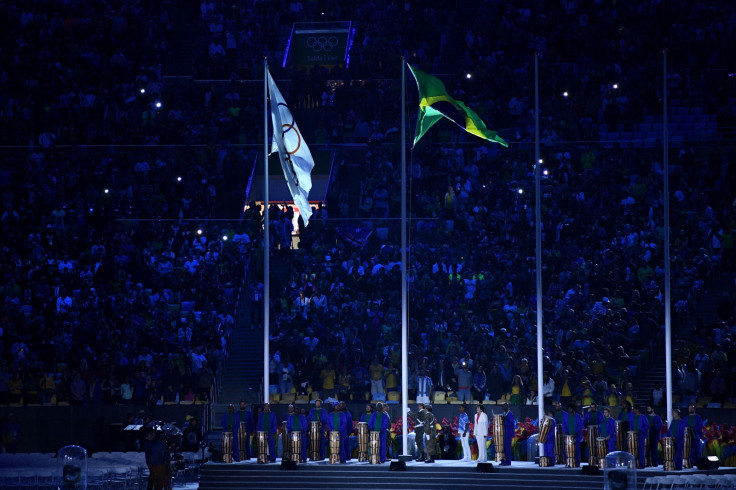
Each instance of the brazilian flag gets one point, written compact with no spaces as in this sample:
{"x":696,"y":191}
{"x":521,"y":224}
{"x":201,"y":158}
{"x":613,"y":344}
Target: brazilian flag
{"x":435,"y":103}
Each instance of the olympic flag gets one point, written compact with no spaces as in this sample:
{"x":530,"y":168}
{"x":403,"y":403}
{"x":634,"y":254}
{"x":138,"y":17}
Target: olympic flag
{"x":435,"y":103}
{"x":296,"y":159}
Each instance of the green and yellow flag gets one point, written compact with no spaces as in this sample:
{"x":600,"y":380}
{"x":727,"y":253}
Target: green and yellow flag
{"x":435,"y":103}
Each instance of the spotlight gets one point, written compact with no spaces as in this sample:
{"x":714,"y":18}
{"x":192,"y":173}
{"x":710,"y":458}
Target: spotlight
{"x":615,"y":86}
{"x":520,"y":191}
{"x":468,"y":76}
{"x":178,"y":179}
{"x":143,"y":91}
{"x":158,"y":105}
{"x":199,"y":231}
{"x":106,"y":191}
{"x":564,"y":94}
{"x":545,"y":172}
{"x":224,"y":238}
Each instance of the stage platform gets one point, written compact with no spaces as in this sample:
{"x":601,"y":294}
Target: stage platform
{"x":442,"y":474}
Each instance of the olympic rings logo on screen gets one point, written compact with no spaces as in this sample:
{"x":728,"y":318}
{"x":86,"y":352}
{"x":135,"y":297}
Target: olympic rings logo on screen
{"x":322,"y":43}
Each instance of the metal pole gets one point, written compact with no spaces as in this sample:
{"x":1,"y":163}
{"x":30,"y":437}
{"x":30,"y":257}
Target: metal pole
{"x":667,"y":306}
{"x":266,"y":240}
{"x":538,"y":233}
{"x":404,"y":266}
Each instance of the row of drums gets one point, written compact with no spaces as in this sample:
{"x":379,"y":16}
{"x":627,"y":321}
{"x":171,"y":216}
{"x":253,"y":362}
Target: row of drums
{"x":368,"y":444}
{"x":598,"y":446}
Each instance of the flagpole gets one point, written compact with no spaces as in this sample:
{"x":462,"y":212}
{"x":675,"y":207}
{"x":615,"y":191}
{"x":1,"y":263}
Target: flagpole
{"x":266,"y":239}
{"x":538,"y":233}
{"x":667,"y":306}
{"x":404,"y":265}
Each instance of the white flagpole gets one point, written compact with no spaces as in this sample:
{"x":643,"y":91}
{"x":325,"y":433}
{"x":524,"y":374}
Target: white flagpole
{"x":266,"y":239}
{"x":404,"y":265}
{"x":667,"y":307}
{"x":538,"y":233}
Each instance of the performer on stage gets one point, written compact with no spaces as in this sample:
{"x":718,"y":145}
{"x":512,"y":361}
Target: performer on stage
{"x":379,"y":422}
{"x":448,"y":444}
{"x":267,"y":423}
{"x":367,"y":415}
{"x":559,"y":413}
{"x":695,"y":423}
{"x":298,"y":422}
{"x":480,"y":429}
{"x":626,"y":409}
{"x":625,"y":416}
{"x":607,"y":429}
{"x":549,"y":444}
{"x":245,"y":416}
{"x":348,"y":429}
{"x":509,"y":430}
{"x":572,"y":425}
{"x":285,"y":446}
{"x":676,"y":430}
{"x":430,"y":434}
{"x":418,"y":418}
{"x":593,"y":417}
{"x":640,"y":425}
{"x":463,"y":429}
{"x":319,"y":414}
{"x":655,"y":430}
{"x":230,"y":423}
{"x":338,"y":422}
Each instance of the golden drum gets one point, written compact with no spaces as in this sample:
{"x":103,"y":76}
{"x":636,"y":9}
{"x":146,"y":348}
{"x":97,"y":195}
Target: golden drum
{"x":242,"y":440}
{"x":286,"y":456}
{"x":668,"y":451}
{"x":622,"y":426}
{"x":375,"y":445}
{"x":592,"y":447}
{"x":363,"y":441}
{"x":295,"y":444}
{"x":559,"y":444}
{"x":686,"y":446}
{"x":601,"y":445}
{"x":498,"y":435}
{"x":570,"y":446}
{"x":315,"y":441}
{"x":544,"y":428}
{"x":632,"y":440}
{"x":334,"y":446}
{"x":227,"y":447}
{"x":262,"y":443}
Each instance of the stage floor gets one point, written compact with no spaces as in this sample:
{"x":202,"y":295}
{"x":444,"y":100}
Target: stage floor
{"x":442,"y":474}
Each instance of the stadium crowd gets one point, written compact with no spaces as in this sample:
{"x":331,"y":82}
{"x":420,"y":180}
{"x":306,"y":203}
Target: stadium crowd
{"x":120,"y":286}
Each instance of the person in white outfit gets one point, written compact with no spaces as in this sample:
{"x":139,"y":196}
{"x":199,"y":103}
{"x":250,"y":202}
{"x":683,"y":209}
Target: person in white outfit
{"x":463,"y":428}
{"x":481,"y":431}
